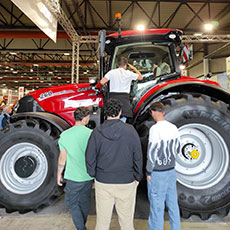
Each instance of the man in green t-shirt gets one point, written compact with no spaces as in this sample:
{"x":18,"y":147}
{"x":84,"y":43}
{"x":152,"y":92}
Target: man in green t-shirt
{"x":72,"y":144}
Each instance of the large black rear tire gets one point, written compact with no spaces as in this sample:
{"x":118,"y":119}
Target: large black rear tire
{"x":28,"y":165}
{"x":203,"y":168}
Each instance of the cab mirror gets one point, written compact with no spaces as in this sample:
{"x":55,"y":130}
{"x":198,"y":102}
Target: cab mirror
{"x":92,"y":81}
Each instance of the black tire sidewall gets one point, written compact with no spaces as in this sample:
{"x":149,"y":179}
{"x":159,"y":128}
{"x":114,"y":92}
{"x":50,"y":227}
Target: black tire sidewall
{"x":49,"y":147}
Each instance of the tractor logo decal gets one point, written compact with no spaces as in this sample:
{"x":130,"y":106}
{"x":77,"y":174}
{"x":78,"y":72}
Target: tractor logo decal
{"x":49,"y":94}
{"x":84,"y":89}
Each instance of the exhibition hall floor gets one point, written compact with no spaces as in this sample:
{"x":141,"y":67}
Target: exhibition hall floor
{"x":57,"y":217}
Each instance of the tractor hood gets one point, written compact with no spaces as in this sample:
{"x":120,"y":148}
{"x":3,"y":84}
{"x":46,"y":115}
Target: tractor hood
{"x":61,"y":100}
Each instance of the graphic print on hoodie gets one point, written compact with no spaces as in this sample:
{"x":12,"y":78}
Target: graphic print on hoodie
{"x":163,"y":146}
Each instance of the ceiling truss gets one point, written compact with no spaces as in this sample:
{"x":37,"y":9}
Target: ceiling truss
{"x":84,"y":13}
{"x":87,"y":17}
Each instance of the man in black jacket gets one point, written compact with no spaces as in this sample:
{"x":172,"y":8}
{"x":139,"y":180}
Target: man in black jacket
{"x":114,"y":158}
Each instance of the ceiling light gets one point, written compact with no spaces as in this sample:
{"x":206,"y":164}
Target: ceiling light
{"x":141,"y":27}
{"x":182,"y":67}
{"x":208,"y":27}
{"x":11,"y":69}
{"x":68,"y":81}
{"x":13,"y":53}
{"x":30,"y":77}
{"x":1,"y":77}
{"x":16,"y":81}
{"x":66,"y":54}
{"x":50,"y":72}
{"x":15,"y":72}
{"x":31,"y":70}
{"x":7,"y":67}
{"x":35,"y":64}
{"x":41,"y":81}
{"x":21,"y":76}
{"x":59,"y":77}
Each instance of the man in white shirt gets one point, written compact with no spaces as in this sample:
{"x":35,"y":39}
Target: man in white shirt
{"x":120,"y":81}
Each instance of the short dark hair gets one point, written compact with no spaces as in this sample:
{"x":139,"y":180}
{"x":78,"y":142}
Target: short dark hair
{"x":81,"y":112}
{"x":112,"y":107}
{"x":122,"y":61}
{"x":157,"y":106}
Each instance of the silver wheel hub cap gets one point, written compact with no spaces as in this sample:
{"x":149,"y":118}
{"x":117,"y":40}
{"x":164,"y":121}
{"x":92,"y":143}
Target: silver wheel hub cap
{"x":204,"y":157}
{"x":23,"y":168}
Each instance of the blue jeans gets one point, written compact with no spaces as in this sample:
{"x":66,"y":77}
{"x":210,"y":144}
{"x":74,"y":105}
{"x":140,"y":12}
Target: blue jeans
{"x":161,"y":189}
{"x":77,"y":199}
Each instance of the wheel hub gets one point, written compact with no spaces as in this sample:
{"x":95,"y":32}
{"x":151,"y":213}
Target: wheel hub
{"x":204,"y":157}
{"x":190,"y":151}
{"x":25,"y":166}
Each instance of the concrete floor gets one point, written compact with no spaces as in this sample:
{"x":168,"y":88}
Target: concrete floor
{"x":57,"y":217}
{"x":64,"y":222}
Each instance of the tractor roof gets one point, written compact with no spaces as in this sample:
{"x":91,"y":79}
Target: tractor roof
{"x":146,"y":32}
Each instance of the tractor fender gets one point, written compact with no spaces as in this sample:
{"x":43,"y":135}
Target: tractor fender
{"x":165,"y":89}
{"x":53,"y":119}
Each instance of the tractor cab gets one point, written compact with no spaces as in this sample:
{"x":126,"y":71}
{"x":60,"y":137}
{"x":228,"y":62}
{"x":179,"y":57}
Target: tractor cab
{"x":152,"y":52}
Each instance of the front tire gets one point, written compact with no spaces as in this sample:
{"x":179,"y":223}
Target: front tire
{"x":28,"y":165}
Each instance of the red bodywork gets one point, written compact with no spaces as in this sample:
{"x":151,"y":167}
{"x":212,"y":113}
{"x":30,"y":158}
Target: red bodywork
{"x":63,"y":100}
{"x":166,"y":83}
{"x":145,"y":32}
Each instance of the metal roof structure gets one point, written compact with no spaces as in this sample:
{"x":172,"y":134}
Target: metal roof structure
{"x":29,"y":58}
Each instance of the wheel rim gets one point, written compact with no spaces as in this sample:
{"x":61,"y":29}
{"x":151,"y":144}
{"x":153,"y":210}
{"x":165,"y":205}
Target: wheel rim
{"x":204,"y":157}
{"x":23,"y":168}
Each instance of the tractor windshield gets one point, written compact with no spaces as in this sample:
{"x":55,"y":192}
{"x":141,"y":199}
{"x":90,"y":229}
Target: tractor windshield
{"x":150,"y":59}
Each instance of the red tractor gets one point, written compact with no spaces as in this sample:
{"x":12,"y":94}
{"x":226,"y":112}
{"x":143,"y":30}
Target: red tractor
{"x":200,"y":109}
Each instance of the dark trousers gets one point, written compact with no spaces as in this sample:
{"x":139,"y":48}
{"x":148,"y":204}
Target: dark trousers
{"x":77,"y":198}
